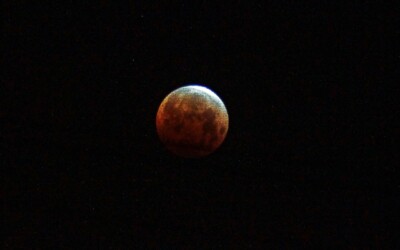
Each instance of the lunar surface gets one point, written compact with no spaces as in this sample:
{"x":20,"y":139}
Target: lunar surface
{"x":192,"y":121}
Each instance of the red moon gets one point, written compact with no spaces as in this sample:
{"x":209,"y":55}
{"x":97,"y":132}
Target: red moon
{"x":192,"y":121}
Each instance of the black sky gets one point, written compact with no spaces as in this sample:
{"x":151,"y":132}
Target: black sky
{"x":308,"y":161}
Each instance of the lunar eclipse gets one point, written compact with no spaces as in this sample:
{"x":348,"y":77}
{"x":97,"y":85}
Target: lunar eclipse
{"x":192,"y":121}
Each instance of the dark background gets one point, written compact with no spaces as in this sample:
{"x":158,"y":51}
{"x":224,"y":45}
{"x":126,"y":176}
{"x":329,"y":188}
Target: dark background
{"x":308,"y":160}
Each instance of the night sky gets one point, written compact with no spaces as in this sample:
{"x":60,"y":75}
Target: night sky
{"x":308,"y":161}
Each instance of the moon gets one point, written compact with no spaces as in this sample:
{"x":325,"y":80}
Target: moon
{"x":192,"y":121}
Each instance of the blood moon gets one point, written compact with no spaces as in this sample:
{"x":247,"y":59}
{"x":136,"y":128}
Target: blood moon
{"x":192,"y":121}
